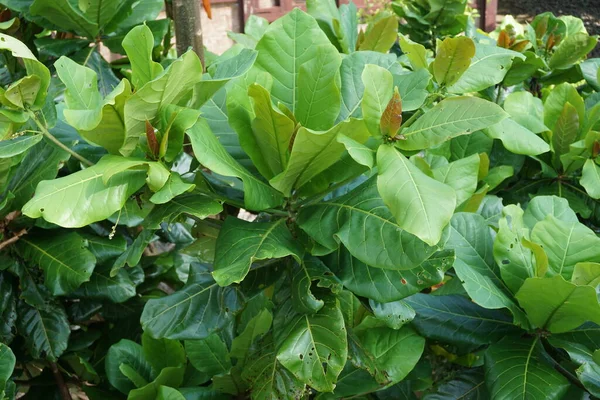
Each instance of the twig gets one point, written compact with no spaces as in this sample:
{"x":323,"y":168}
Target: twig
{"x":54,"y":140}
{"x":13,"y":239}
{"x":60,"y":382}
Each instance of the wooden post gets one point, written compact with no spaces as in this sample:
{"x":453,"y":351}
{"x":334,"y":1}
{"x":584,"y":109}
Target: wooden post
{"x":487,"y":11}
{"x":188,"y":27}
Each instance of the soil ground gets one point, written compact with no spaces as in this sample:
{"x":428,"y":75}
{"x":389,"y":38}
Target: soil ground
{"x":525,"y":10}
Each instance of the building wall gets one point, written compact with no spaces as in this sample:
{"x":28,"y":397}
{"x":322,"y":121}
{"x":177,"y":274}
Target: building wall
{"x":225,"y":17}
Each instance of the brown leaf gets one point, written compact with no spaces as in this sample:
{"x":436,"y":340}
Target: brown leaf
{"x":206,"y":5}
{"x":520,"y":45}
{"x":391,"y":119}
{"x":152,"y":140}
{"x":503,"y":39}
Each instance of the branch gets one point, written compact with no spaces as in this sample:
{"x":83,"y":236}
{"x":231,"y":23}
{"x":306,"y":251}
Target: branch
{"x":60,"y":382}
{"x":13,"y":239}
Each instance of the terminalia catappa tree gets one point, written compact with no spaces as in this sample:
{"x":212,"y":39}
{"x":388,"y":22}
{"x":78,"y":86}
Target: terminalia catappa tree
{"x":327,"y":212}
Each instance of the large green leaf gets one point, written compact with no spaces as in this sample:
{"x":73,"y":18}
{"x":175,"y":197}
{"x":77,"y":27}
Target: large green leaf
{"x":67,"y":15}
{"x":456,"y":320}
{"x":420,"y":204}
{"x":378,"y":91}
{"x":515,"y":370}
{"x":393,"y":352}
{"x":138,"y":44}
{"x":240,"y":243}
{"x":385,"y":285}
{"x":452,"y":117}
{"x":63,"y":257}
{"x":287,"y":44}
{"x":194,"y":312}
{"x":81,"y":198}
{"x":305,"y":273}
{"x":319,"y":99}
{"x":163,"y":353}
{"x":313,"y":152}
{"x":272,"y":131}
{"x":488,"y":67}
{"x":557,"y":305}
{"x":380,"y":35}
{"x":314,"y":347}
{"x":352,"y":84}
{"x":471,"y":239}
{"x":511,"y":250}
{"x":572,"y":49}
{"x":8,"y":307}
{"x":461,"y":175}
{"x":413,"y":88}
{"x":517,"y":139}
{"x":7,"y":364}
{"x":526,"y":110}
{"x":590,"y":178}
{"x":565,"y":131}
{"x":125,"y":360}
{"x":555,"y":103}
{"x":46,"y":331}
{"x":209,"y":355}
{"x":118,"y":288}
{"x":13,"y":147}
{"x":211,"y":154}
{"x":366,"y":228}
{"x":452,"y":59}
{"x":541,"y":206}
{"x":467,"y":385}
{"x":170,"y":87}
{"x":566,"y":244}
{"x":192,"y":204}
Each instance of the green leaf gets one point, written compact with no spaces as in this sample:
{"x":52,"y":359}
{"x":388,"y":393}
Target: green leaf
{"x":305,"y":273}
{"x":378,"y":84}
{"x":314,"y":347}
{"x":300,"y":37}
{"x":13,"y":147}
{"x":590,"y":178}
{"x":257,"y":327}
{"x":526,"y":110}
{"x":366,"y":228}
{"x":413,"y":88}
{"x":556,"y":101}
{"x":456,"y":320}
{"x":394,"y":314}
{"x":588,"y":374}
{"x":174,"y":122}
{"x":452,"y":59}
{"x":380,"y":35}
{"x":385,"y":285}
{"x":90,"y":199}
{"x":8,"y":307}
{"x":541,"y":206}
{"x":66,"y":15}
{"x":7,"y":364}
{"x":471,"y":239}
{"x":23,"y":92}
{"x":209,"y":355}
{"x":319,"y":98}
{"x":138,"y":44}
{"x":467,"y":385}
{"x":272,"y":131}
{"x":416,"y":53}
{"x":515,"y":369}
{"x":450,"y":118}
{"x":163,"y":353}
{"x":63,"y":257}
{"x":46,"y":331}
{"x":557,"y":305}
{"x":313,"y":152}
{"x":170,"y":87}
{"x":589,"y":70}
{"x":488,"y":67}
{"x":193,"y":204}
{"x":572,"y":49}
{"x":515,"y":259}
{"x":211,"y":154}
{"x":268,"y":378}
{"x":240,"y":243}
{"x":129,"y":354}
{"x":565,"y":131}
{"x":174,"y":187}
{"x":194,"y":312}
{"x":566,"y":243}
{"x":351,"y":76}
{"x":421,"y":205}
{"x":460,"y":175}
{"x":393,"y":352}
{"x":101,"y":285}
{"x":168,"y":393}
{"x":586,"y":273}
{"x":517,"y":139}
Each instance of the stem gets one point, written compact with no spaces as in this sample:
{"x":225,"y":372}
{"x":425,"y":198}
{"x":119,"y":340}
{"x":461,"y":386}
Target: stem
{"x":432,"y":97}
{"x":60,"y":382}
{"x":239,"y":204}
{"x":54,"y":140}
{"x":499,"y":93}
{"x":318,"y":197}
{"x":562,"y":369}
{"x":13,"y":239}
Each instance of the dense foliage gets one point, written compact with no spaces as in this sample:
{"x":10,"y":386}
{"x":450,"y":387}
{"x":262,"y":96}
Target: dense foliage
{"x":327,"y":212}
